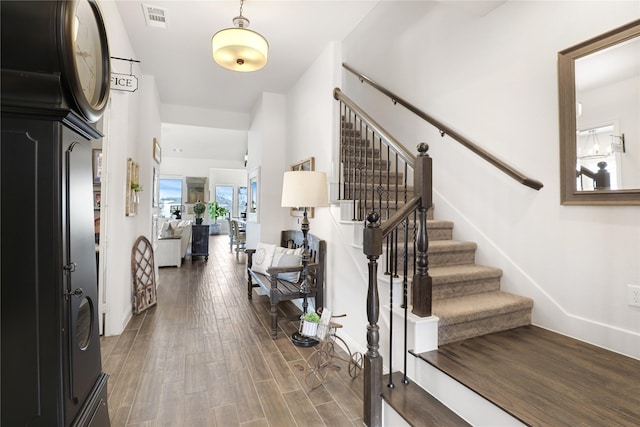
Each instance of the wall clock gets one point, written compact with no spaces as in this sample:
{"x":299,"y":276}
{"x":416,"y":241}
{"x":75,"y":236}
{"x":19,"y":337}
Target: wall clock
{"x":55,"y":53}
{"x":84,"y":55}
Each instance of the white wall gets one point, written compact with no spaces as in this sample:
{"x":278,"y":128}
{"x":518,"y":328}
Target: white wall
{"x":266,"y":157}
{"x":312,"y":131}
{"x":131,"y":123}
{"x":493,"y":78}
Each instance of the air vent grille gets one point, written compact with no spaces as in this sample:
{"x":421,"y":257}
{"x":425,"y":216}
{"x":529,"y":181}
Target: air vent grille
{"x":155,"y":16}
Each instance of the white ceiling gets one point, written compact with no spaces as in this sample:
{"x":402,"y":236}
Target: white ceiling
{"x":613,"y":64}
{"x":180,"y":58}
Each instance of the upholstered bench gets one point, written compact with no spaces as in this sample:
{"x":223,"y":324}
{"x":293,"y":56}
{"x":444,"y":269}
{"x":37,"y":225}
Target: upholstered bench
{"x":276,"y":269}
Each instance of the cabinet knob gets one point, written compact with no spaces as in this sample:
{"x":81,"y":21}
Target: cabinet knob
{"x":78,"y":292}
{"x":70,"y":268}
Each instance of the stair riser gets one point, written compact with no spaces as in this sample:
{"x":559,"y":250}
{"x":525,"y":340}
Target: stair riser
{"x":360,"y":174}
{"x":442,"y":259}
{"x":353,"y":150}
{"x":400,"y":194}
{"x":465,"y":330}
{"x":353,"y":163}
{"x":349,"y":138}
{"x":397,"y":191}
{"x":451,"y":258}
{"x":433,"y":234}
{"x":458,"y":289}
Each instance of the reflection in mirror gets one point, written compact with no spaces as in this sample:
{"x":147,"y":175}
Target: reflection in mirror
{"x":84,"y":324}
{"x":599,"y":82}
{"x":253,"y":202}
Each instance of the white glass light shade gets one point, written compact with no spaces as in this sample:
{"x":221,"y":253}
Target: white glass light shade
{"x":304,"y":189}
{"x":239,"y":49}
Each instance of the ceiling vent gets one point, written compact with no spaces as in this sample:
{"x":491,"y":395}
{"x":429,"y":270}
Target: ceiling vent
{"x":155,"y":16}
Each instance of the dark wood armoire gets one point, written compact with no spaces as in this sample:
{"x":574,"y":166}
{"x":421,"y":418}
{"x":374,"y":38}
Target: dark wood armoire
{"x":51,"y":367}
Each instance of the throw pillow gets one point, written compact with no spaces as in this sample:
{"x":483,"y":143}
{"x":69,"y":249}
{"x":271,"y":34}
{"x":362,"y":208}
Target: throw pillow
{"x":289,"y":260}
{"x":177,"y":232}
{"x":166,"y":230}
{"x":280,"y":251}
{"x":263,"y":257}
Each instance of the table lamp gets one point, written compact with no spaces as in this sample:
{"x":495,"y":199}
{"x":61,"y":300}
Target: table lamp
{"x":304,"y":189}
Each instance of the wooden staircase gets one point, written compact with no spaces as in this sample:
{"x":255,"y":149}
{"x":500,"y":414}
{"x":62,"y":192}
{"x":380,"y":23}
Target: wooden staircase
{"x":466,"y":296}
{"x":492,"y":367}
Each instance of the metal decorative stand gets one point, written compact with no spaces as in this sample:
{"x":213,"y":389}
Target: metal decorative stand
{"x":297,"y":338}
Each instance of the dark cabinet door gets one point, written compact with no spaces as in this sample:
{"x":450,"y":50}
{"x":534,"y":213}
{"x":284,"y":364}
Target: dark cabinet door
{"x":51,"y":367}
{"x":200,"y":241}
{"x":80,"y":285}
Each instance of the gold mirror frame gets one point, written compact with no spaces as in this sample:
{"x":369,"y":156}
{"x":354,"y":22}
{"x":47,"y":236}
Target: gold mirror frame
{"x":567,"y":98}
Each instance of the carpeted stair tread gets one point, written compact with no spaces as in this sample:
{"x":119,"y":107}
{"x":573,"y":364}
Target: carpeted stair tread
{"x":439,"y":246}
{"x":478,"y":306}
{"x":462,"y":273}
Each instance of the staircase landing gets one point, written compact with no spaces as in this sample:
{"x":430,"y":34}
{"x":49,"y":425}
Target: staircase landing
{"x":545,"y":379}
{"x":416,"y":406}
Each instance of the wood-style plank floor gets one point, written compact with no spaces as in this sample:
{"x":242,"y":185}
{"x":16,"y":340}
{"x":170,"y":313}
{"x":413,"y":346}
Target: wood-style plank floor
{"x":203,"y":357}
{"x":546,"y":379}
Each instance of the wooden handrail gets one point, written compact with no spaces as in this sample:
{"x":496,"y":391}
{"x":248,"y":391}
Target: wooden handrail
{"x":445,"y":130}
{"x":404,"y":154}
{"x":400,"y":215}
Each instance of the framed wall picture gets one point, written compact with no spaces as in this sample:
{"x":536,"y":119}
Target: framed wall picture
{"x":97,"y":166}
{"x":133,"y":187}
{"x":303,"y":165}
{"x":157,"y":151}
{"x":156,"y":188}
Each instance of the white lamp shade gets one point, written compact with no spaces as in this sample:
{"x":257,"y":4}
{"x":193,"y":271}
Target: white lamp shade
{"x":304,"y":189}
{"x":239,"y":49}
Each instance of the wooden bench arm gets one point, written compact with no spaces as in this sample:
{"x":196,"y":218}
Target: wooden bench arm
{"x":274,"y":271}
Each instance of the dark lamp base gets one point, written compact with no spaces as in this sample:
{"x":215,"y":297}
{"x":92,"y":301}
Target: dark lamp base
{"x":300,"y":340}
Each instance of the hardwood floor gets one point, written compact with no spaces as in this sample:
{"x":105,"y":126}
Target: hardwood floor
{"x":546,"y":379}
{"x":203,"y":357}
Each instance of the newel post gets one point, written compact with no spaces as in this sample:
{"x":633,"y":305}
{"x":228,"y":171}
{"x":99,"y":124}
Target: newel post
{"x":421,"y":287}
{"x":372,"y":243}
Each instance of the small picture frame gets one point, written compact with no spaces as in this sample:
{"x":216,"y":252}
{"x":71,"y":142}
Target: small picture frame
{"x":157,"y":151}
{"x":156,"y":188}
{"x":308,"y":164}
{"x":97,"y":200}
{"x":97,"y":166}
{"x":304,"y":165}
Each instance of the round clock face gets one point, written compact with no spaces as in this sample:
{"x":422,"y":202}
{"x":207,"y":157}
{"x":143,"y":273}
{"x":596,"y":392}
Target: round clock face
{"x":85,"y":57}
{"x":88,"y":52}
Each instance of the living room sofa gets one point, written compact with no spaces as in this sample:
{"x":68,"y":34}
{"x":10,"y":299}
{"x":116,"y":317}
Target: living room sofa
{"x":173,"y":241}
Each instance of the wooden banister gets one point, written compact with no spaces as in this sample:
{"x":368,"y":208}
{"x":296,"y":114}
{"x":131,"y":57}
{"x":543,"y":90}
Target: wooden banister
{"x":446,"y":130}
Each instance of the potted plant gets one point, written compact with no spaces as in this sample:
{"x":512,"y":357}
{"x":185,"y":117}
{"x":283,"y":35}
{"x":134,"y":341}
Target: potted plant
{"x":198,"y":210}
{"x":216,"y":211}
{"x":135,"y":187}
{"x":309,"y":324}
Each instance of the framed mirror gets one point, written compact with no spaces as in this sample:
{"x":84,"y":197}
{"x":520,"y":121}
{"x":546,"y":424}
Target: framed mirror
{"x":599,"y":95}
{"x":253,"y":202}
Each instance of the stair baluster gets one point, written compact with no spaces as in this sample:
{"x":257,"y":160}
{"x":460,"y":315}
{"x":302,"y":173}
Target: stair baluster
{"x":422,"y":283}
{"x":372,"y":246}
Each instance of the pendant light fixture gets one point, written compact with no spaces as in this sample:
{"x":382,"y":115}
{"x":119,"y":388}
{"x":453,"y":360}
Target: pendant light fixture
{"x":239,"y":49}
